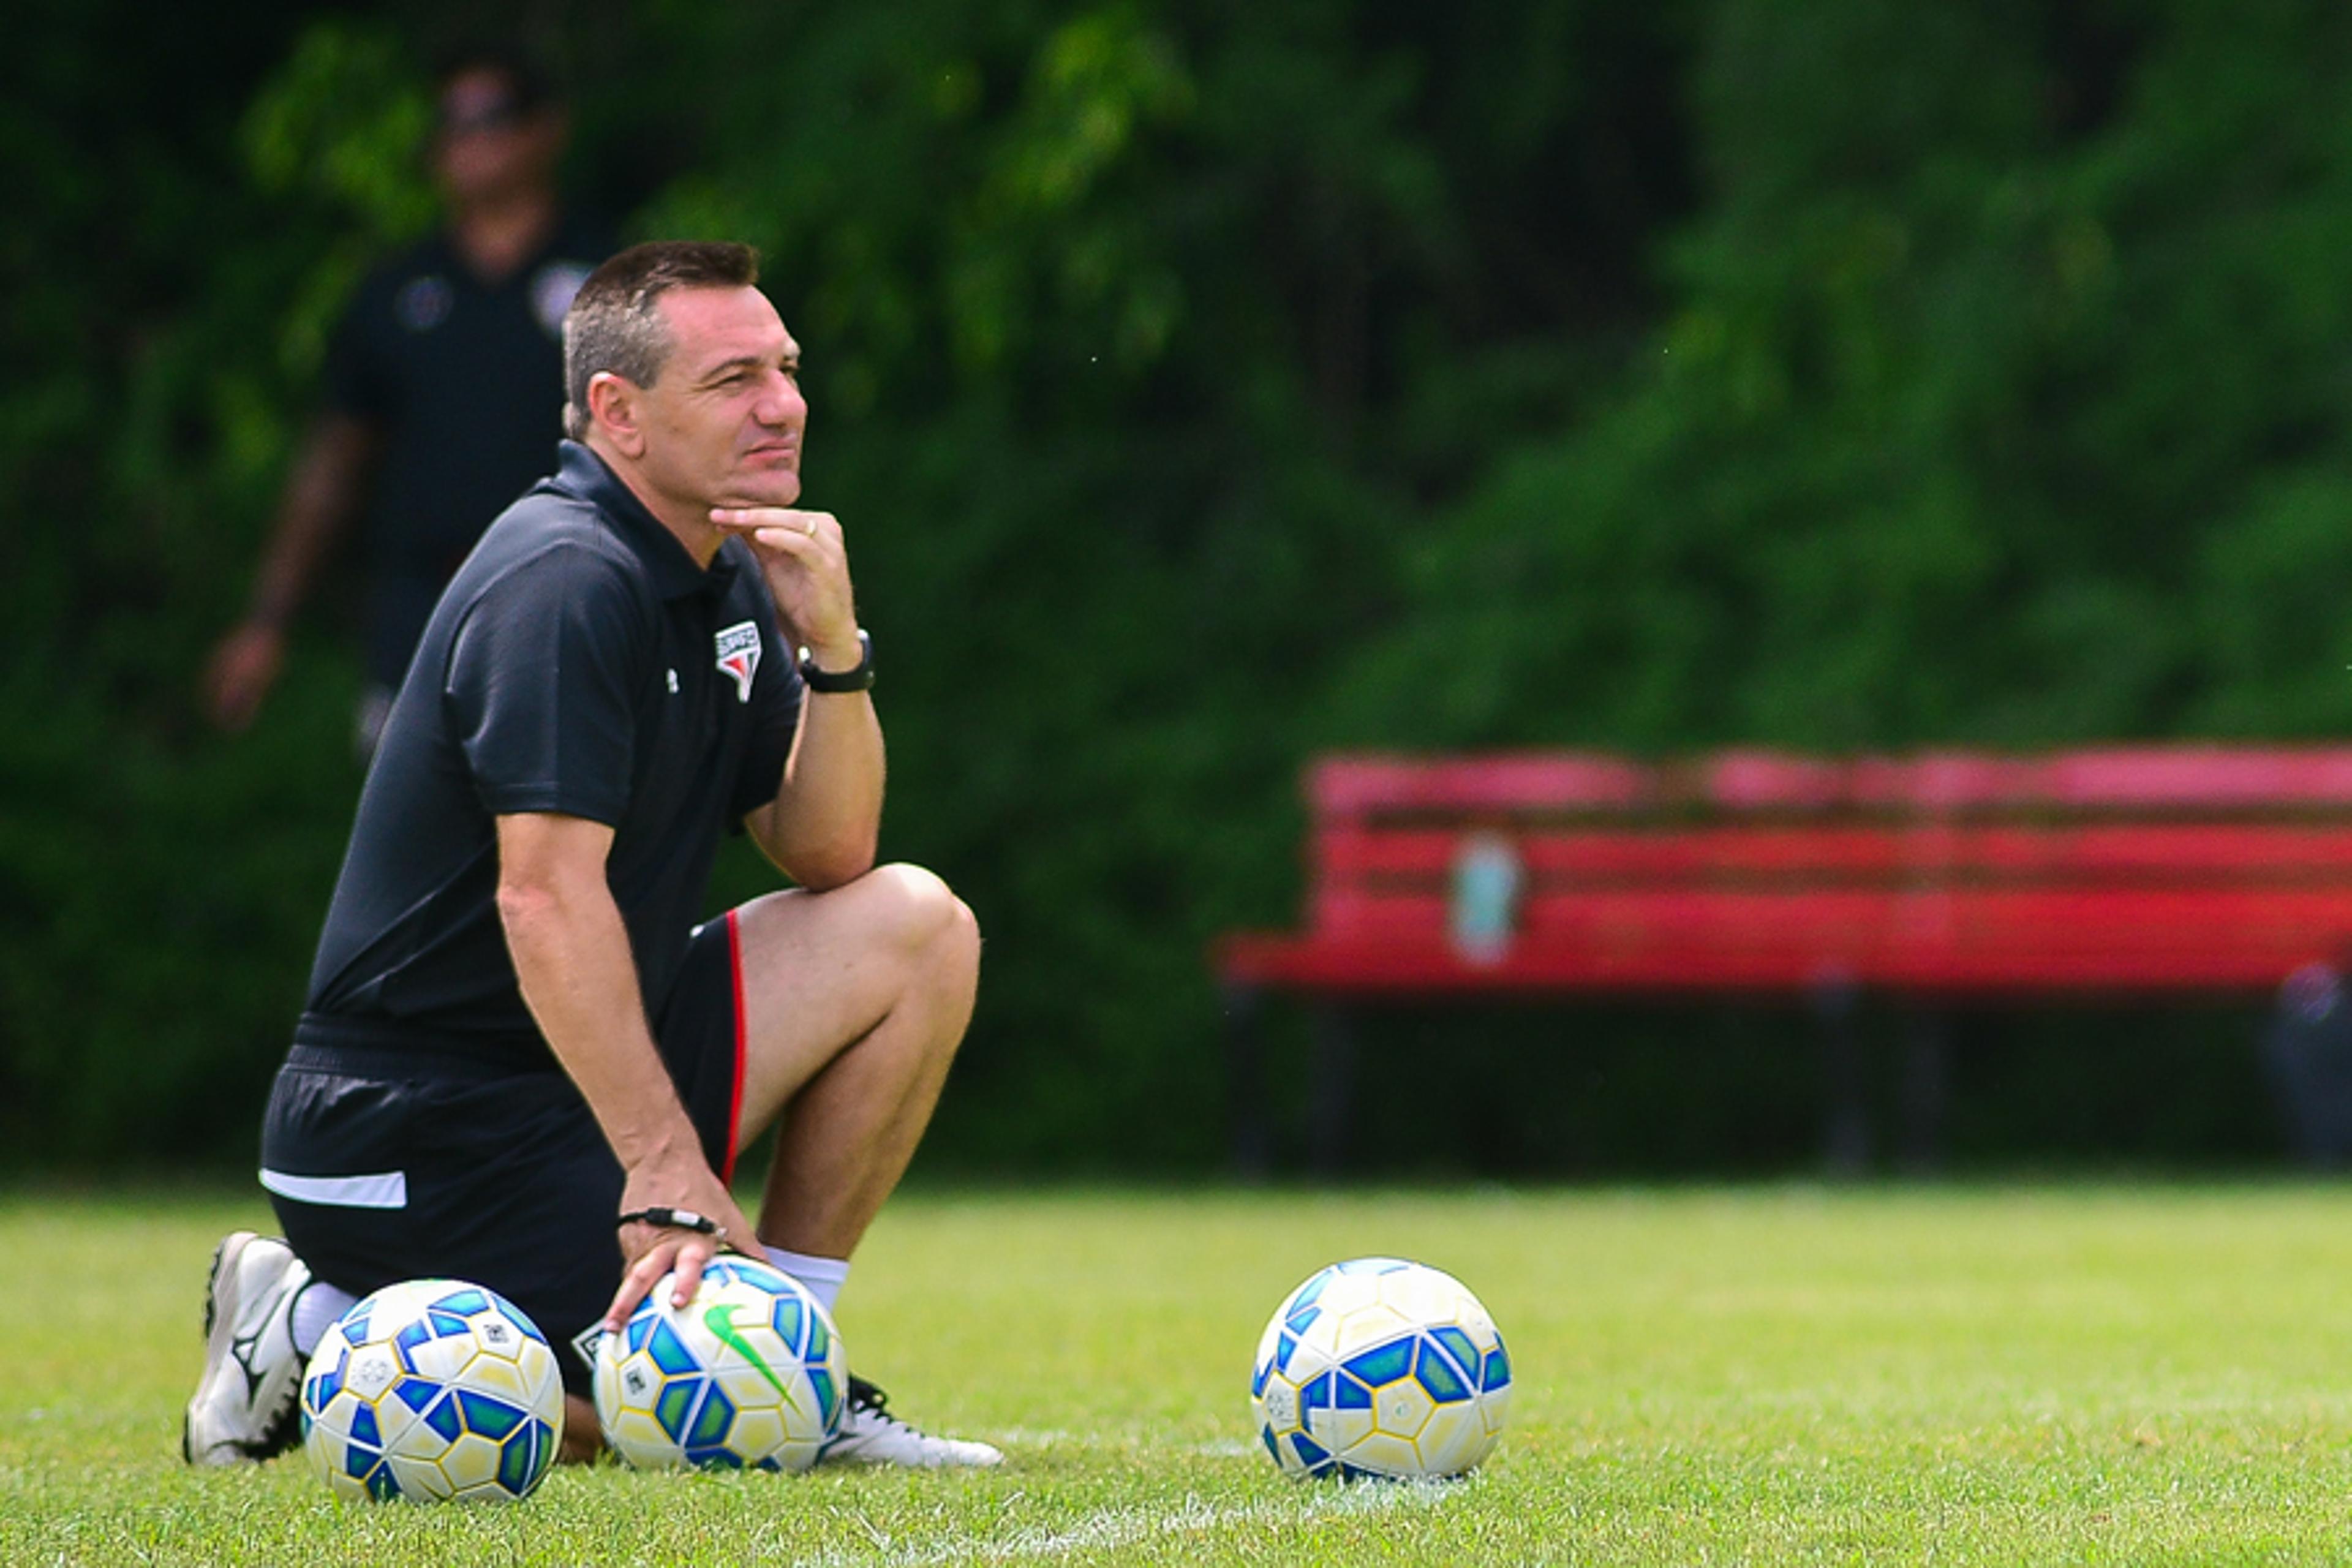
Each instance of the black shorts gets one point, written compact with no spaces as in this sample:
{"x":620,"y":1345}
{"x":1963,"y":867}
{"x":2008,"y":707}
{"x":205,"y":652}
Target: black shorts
{"x":386,"y":1165}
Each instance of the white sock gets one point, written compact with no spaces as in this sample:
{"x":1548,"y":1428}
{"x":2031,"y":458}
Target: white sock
{"x":823,"y":1278}
{"x":315,"y":1311}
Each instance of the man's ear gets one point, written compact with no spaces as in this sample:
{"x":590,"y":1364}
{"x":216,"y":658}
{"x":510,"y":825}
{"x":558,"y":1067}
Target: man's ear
{"x":613,"y":410}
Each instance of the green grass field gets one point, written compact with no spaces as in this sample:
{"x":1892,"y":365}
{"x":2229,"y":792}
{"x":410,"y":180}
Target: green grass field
{"x":1757,"y":1377}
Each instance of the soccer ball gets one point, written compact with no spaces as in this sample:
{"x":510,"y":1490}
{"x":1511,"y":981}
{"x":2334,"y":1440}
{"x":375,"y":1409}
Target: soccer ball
{"x":748,"y":1375}
{"x":1380,"y":1367}
{"x":432,"y":1389}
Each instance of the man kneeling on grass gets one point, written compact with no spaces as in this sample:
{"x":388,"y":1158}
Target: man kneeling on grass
{"x":515,"y":1037}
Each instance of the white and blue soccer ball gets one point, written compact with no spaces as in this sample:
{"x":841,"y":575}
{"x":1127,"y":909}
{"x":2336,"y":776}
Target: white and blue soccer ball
{"x":750,"y":1375}
{"x":432,"y":1389}
{"x":1380,"y":1367}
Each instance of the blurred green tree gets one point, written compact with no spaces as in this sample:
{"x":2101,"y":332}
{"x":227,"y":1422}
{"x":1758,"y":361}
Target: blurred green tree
{"x":1204,"y":384}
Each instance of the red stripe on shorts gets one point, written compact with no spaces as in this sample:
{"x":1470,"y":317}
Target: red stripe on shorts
{"x":735,"y":1097}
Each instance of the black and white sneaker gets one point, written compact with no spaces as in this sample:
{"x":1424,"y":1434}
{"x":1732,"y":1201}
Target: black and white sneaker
{"x":244,"y":1408}
{"x":870,"y":1435}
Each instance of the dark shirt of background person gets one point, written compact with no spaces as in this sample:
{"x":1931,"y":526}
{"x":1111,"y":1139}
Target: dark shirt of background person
{"x":443,"y":390}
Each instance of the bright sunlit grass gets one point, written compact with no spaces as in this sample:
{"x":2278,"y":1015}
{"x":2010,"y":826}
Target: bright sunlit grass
{"x":1761,"y":1377}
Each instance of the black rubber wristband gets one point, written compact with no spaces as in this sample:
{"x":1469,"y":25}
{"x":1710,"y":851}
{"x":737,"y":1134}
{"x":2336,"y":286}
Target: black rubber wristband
{"x":858,"y":679}
{"x":675,"y":1219}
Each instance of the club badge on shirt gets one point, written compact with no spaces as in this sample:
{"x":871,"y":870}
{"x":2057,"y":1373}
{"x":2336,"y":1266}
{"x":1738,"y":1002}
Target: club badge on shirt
{"x":423,"y":303}
{"x":739,"y":656}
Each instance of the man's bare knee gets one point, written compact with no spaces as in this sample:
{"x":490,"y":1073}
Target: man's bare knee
{"x":936,"y":937}
{"x":957,"y":949}
{"x":925,"y":916}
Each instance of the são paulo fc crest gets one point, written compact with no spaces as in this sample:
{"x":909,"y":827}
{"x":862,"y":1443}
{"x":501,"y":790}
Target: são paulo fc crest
{"x":739,"y":656}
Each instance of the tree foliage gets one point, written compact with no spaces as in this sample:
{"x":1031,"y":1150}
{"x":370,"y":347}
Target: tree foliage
{"x":1204,"y":384}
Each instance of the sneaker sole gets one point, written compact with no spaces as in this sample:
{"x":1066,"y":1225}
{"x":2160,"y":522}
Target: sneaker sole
{"x":220,"y":1325}
{"x":975,"y":1456}
{"x":868,"y":1462}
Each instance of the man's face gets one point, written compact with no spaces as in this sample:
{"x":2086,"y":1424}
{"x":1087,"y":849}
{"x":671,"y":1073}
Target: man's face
{"x":722,"y":421}
{"x":486,"y":144}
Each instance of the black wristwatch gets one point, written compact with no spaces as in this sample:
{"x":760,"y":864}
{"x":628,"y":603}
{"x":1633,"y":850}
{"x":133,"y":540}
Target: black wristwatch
{"x":858,"y":679}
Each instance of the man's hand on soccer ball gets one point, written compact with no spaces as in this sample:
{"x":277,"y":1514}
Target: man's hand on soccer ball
{"x":650,"y":1251}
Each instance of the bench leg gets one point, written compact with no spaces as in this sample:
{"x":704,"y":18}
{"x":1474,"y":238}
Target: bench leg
{"x":1246,"y":1119}
{"x":1927,"y":1089}
{"x":1846,"y":1136}
{"x":1332,"y":1089}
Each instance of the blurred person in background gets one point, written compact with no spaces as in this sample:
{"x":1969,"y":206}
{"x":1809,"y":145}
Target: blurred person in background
{"x":443,"y":389}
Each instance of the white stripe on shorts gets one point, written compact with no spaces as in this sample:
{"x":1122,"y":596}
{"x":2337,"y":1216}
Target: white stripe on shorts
{"x":388,"y":1190}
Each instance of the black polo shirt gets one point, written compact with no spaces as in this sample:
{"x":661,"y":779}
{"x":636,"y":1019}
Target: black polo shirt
{"x":464,"y":382}
{"x":581,"y":663}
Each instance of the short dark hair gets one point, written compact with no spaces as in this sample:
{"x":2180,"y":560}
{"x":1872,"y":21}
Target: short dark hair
{"x":613,"y":326}
{"x":530,"y":86}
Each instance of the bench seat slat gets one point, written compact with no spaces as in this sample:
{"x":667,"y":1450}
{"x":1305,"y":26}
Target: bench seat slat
{"x":2097,"y":917}
{"x":2018,"y":974}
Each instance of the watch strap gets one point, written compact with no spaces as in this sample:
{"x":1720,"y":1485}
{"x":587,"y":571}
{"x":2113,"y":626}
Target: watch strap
{"x":839,"y":680}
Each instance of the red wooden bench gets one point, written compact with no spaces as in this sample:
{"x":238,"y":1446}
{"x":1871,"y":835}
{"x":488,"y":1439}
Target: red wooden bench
{"x":2133,"y":872}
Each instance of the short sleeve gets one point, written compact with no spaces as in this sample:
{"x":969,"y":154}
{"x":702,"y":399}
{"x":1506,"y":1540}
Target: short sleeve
{"x":775,"y":717}
{"x":540,"y":688}
{"x":355,"y":380}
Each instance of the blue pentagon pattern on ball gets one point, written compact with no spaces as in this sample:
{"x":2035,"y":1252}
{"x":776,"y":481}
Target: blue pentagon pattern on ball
{"x":1379,"y":1367}
{"x":750,"y":1375}
{"x":432,"y":1390}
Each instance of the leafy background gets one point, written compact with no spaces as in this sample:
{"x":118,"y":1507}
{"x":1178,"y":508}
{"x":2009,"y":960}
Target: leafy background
{"x":1206,"y":385}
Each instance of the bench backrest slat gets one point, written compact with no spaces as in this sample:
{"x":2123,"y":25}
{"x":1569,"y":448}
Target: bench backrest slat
{"x":1368,"y":788}
{"x":2083,"y":916}
{"x":2234,"y":851}
{"x":2188,"y":779}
